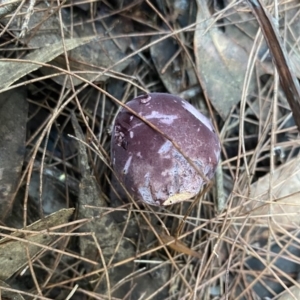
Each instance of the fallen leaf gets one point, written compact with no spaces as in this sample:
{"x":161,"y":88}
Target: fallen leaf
{"x":13,"y":255}
{"x":281,"y":60}
{"x":97,"y":55}
{"x":13,"y":116}
{"x":240,"y":26}
{"x":284,"y":207}
{"x":12,"y":70}
{"x":89,"y":58}
{"x":172,"y":65}
{"x":221,"y":63}
{"x":106,"y":232}
{"x":169,"y":72}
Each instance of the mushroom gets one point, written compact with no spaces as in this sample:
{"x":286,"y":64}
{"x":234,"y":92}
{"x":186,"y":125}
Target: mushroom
{"x":148,"y":164}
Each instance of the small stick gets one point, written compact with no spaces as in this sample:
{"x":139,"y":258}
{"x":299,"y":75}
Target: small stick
{"x":29,"y":12}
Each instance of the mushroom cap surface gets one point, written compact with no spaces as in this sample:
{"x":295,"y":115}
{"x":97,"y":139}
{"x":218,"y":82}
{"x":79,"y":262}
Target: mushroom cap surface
{"x":148,"y":164}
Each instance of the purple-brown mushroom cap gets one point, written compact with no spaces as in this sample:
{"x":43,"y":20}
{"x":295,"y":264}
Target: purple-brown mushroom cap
{"x":149,"y":166}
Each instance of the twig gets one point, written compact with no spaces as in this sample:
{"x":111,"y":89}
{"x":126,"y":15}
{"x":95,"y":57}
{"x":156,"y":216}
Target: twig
{"x":28,"y":14}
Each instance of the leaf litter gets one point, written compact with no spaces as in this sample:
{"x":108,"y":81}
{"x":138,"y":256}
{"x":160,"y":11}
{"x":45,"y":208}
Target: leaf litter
{"x":112,"y":247}
{"x":216,"y":51}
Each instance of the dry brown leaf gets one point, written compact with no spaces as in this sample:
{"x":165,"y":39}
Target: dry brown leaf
{"x":11,"y":71}
{"x":284,"y":208}
{"x":221,"y":63}
{"x":13,"y":254}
